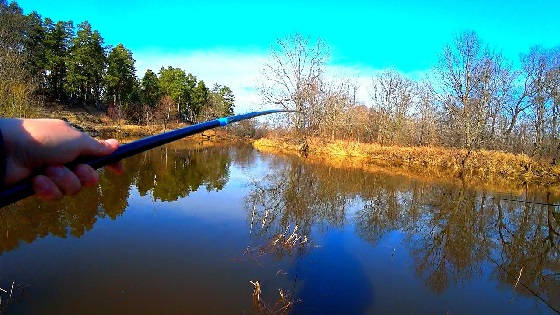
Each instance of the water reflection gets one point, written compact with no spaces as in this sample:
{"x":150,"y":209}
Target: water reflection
{"x":291,"y":196}
{"x":166,"y":174}
{"x":452,"y":234}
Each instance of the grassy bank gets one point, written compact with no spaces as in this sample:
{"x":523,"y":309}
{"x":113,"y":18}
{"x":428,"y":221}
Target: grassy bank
{"x":100,"y":125}
{"x":485,"y":167}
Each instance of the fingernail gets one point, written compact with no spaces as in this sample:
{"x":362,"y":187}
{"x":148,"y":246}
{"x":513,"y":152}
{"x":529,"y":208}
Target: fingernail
{"x":95,"y":176}
{"x":45,"y":190}
{"x":92,"y":179}
{"x":41,"y":186}
{"x":55,"y":171}
{"x":112,"y":142}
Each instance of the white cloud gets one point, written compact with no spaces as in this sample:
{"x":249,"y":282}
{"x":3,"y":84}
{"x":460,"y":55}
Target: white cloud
{"x":241,"y":71}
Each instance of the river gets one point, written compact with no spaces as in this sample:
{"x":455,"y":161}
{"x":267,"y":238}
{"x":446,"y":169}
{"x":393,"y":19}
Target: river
{"x":231,"y":230}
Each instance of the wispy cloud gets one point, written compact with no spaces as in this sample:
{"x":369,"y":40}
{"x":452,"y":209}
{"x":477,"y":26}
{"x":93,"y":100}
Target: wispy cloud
{"x":239,"y":71}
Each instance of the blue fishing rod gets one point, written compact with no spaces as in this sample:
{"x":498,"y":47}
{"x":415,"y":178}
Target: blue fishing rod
{"x":24,"y":188}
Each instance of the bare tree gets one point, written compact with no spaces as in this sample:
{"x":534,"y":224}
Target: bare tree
{"x":330,"y":115}
{"x":426,"y":114}
{"x":553,"y":92}
{"x":536,"y":65}
{"x":477,"y":100}
{"x":292,"y":76}
{"x":470,"y":78}
{"x":392,"y":96}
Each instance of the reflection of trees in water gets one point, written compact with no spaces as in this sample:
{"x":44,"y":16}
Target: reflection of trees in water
{"x":243,"y":155}
{"x":529,"y":239}
{"x":291,"y":196}
{"x":451,"y":240}
{"x":171,"y":174}
{"x":452,"y":232}
{"x":168,"y":174}
{"x":30,"y":219}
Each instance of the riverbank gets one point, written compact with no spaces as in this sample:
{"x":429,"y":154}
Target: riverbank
{"x":482,"y":167}
{"x":100,"y":125}
{"x":490,"y":169}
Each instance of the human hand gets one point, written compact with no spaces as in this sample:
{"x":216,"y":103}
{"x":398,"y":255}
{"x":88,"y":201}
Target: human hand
{"x":31,"y":144}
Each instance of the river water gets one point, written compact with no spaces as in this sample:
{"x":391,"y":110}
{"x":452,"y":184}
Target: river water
{"x":197,"y":230}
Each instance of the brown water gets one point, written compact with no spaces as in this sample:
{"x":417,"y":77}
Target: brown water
{"x":184,"y":231}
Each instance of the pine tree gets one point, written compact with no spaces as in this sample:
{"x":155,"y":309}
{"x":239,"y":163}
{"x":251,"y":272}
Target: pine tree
{"x":86,"y":66}
{"x":120,"y":79}
{"x":150,"y":92}
{"x":58,"y":38}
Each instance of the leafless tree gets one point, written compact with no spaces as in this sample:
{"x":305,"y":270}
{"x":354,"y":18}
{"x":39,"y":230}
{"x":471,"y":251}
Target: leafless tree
{"x":292,"y":77}
{"x":478,"y":99}
{"x":536,"y":65}
{"x":392,"y":96}
{"x":426,"y":114}
{"x":459,"y":69}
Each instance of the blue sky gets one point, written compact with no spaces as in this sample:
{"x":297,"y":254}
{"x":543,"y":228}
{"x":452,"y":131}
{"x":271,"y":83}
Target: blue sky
{"x":364,"y":36}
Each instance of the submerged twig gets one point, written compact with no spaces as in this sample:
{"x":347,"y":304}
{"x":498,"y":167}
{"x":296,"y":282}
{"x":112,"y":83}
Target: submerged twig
{"x":518,"y":278}
{"x":8,"y":296}
{"x":282,"y":305}
{"x":264,"y":219}
{"x":256,"y":290}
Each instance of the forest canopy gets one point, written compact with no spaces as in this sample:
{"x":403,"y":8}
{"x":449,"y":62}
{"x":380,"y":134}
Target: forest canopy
{"x":43,"y":62}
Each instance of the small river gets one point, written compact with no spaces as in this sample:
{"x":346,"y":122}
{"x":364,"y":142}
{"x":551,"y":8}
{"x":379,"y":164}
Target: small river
{"x":230,"y":230}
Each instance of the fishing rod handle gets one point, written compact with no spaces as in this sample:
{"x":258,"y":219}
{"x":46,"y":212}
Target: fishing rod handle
{"x":24,"y":188}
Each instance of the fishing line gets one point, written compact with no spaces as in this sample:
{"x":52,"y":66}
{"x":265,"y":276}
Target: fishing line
{"x":527,"y":201}
{"x":526,"y":287}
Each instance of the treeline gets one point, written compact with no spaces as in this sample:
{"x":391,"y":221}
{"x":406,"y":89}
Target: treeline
{"x":45,"y":62}
{"x":474,"y":98}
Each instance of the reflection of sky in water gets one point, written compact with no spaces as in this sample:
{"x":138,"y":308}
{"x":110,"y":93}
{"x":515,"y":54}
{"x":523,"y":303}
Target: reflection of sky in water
{"x":187,"y":255}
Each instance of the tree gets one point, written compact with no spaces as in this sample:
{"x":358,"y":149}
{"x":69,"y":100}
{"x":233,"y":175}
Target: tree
{"x":220,"y":102}
{"x":198,"y":99}
{"x":150,"y":93}
{"x":189,"y":111}
{"x":58,"y":38}
{"x":12,"y":27}
{"x":223,"y":100}
{"x":553,"y":92}
{"x":165,"y":110}
{"x":293,"y":75}
{"x":427,"y":115}
{"x":541,"y":67}
{"x":150,"y":89}
{"x":173,"y":83}
{"x":120,"y":76}
{"x":18,"y":85}
{"x":333,"y":111}
{"x":35,"y":44}
{"x":86,"y":66}
{"x":392,"y":96}
{"x":471,"y":77}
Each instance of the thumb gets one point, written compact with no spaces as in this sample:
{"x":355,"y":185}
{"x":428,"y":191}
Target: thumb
{"x":100,"y":147}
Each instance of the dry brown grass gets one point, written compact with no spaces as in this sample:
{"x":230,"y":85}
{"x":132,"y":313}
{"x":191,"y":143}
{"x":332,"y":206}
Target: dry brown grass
{"x":483,"y":166}
{"x":98,"y":124}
